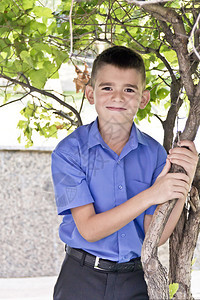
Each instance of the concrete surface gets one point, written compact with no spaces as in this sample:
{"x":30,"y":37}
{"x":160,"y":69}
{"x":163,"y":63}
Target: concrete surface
{"x":41,"y":288}
{"x":36,"y":288}
{"x":30,"y":244}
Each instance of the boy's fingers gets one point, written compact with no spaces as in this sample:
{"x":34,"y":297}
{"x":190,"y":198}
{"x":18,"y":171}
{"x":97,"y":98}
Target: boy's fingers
{"x":181,"y":176}
{"x":184,"y":151}
{"x":187,"y":155}
{"x":166,"y":168}
{"x":190,"y":145}
{"x":181,"y":160}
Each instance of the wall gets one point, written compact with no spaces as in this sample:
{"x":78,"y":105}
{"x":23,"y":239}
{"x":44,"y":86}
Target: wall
{"x":30,"y":245}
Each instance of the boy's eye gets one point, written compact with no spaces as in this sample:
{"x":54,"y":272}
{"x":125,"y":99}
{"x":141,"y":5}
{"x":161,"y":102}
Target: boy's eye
{"x":129,"y":90}
{"x":106,"y":88}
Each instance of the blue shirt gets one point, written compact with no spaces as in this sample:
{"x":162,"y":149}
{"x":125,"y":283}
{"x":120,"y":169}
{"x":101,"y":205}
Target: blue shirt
{"x":85,"y":170}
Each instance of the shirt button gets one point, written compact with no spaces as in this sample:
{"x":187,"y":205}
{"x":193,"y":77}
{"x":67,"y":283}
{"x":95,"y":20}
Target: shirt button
{"x":123,"y":235}
{"x":120,"y":187}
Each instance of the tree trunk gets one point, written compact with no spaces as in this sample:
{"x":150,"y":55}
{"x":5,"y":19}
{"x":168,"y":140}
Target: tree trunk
{"x":182,"y":242}
{"x":184,"y":238}
{"x":155,"y":274}
{"x":182,"y":245}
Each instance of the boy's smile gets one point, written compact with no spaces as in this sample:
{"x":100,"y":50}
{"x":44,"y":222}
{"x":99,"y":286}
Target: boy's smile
{"x":118,"y":94}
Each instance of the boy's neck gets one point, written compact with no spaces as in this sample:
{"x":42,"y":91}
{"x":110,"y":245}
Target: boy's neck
{"x":115,"y":135}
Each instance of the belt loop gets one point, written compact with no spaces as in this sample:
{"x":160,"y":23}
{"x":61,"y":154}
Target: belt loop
{"x":83,"y":259}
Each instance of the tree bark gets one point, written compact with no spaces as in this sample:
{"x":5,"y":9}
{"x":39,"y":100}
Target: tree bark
{"x":182,"y":246}
{"x":155,"y":274}
{"x":158,"y":285}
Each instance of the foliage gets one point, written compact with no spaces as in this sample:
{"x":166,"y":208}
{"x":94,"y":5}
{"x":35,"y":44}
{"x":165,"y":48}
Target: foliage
{"x":173,"y":288}
{"x":35,"y":41}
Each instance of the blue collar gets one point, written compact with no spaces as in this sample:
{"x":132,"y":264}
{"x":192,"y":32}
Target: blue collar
{"x":95,"y":138}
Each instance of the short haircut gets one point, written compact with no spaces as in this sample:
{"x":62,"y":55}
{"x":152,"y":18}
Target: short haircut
{"x":121,"y":57}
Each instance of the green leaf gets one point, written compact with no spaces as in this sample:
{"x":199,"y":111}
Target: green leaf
{"x":22,"y":124}
{"x":142,"y":113}
{"x":60,"y":57}
{"x":3,"y":30}
{"x":35,"y":27}
{"x":160,"y":66}
{"x":19,"y":138}
{"x":40,"y":11}
{"x":194,"y":260}
{"x":171,"y":56}
{"x":38,"y":78}
{"x":29,"y":143}
{"x":41,"y":27}
{"x":3,"y":44}
{"x":42,"y":47}
{"x":27,"y":4}
{"x":3,"y":6}
{"x":167,"y":105}
{"x":7,"y":97}
{"x":48,"y":130}
{"x":25,"y":56}
{"x":173,"y":288}
{"x":49,"y":67}
{"x":162,"y":93}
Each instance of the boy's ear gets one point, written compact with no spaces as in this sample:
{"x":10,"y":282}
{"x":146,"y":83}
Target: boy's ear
{"x":89,"y":94}
{"x":145,"y":99}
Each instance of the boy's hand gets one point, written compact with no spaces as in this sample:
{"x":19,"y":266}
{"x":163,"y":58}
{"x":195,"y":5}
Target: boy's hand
{"x":170,"y":186}
{"x":185,"y":157}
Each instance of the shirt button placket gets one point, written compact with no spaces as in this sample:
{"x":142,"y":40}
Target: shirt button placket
{"x":121,"y":197}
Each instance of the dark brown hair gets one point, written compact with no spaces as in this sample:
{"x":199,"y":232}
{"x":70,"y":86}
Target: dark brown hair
{"x":121,"y":57}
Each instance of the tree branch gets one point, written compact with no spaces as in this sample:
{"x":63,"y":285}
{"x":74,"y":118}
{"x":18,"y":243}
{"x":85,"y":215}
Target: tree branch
{"x":157,"y":116}
{"x":16,"y":100}
{"x":71,"y":28}
{"x":45,"y":93}
{"x":141,"y":3}
{"x":192,"y":36}
{"x":178,"y":41}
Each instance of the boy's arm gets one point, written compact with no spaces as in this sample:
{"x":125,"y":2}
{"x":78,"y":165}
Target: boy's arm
{"x":94,"y":227}
{"x":188,"y":160}
{"x":171,"y":223}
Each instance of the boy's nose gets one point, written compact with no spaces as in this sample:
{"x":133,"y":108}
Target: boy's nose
{"x":117,"y":97}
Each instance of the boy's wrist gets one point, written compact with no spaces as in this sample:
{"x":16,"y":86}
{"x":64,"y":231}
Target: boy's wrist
{"x":148,"y":197}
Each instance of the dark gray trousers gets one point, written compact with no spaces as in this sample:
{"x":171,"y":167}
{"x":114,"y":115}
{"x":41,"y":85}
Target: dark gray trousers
{"x":79,"y":282}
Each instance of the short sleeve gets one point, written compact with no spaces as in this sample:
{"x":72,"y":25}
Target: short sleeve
{"x":69,"y":180}
{"x":161,"y":160}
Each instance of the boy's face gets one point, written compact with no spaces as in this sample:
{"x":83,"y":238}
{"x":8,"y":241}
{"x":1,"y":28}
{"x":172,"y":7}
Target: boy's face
{"x":117,"y":94}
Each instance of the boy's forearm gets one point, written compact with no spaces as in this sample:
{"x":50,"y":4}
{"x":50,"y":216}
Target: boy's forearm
{"x":172,"y":221}
{"x":94,"y":227}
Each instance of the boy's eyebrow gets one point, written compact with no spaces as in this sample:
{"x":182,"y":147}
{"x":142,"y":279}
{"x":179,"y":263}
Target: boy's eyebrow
{"x":105,"y":83}
{"x":132,"y":85}
{"x":111,"y":84}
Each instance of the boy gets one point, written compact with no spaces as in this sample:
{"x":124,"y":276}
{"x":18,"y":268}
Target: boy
{"x":108,"y":178}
